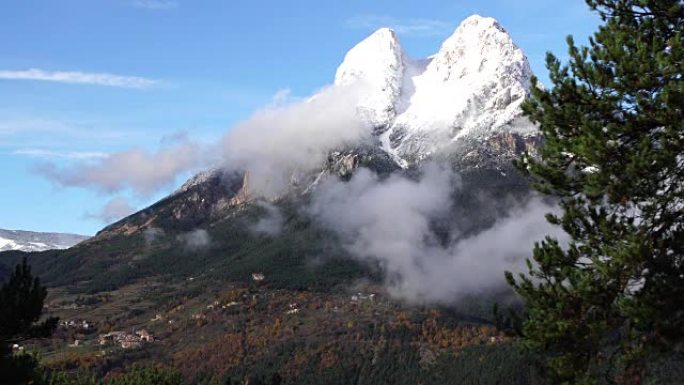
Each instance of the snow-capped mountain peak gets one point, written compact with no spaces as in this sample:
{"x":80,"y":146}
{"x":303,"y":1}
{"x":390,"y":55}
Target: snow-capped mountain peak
{"x":371,"y":59}
{"x":479,"y":45}
{"x":472,"y":87}
{"x":377,"y":65}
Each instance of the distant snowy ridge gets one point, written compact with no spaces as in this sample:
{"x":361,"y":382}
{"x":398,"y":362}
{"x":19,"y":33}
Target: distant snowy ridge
{"x":33,"y":241}
{"x":471,"y":88}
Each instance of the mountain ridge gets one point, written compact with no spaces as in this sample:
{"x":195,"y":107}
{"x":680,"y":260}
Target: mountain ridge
{"x":403,"y":136}
{"x":22,"y":240}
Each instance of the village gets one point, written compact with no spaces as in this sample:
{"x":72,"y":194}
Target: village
{"x":251,"y":315}
{"x":80,"y":332}
{"x":127,"y":340}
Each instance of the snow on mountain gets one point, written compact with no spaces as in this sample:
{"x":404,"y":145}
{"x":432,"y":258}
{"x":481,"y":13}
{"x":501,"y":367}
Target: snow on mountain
{"x":471,"y":88}
{"x":377,"y":65}
{"x":32,"y":241}
{"x":198,"y":179}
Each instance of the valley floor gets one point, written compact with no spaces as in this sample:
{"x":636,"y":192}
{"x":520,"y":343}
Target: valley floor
{"x":227,"y":332}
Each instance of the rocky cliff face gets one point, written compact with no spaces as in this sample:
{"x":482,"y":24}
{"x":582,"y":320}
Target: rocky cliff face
{"x":208,"y":196}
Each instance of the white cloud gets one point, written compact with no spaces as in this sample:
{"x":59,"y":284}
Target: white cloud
{"x":54,"y":140}
{"x":114,"y":210}
{"x":152,"y":234}
{"x":55,"y":130}
{"x":76,"y":77}
{"x":406,"y":27}
{"x":271,"y":223}
{"x":50,"y":154}
{"x":280,"y":143}
{"x":389,"y":222}
{"x":195,"y":240}
{"x":155,"y":4}
{"x":33,"y":127}
{"x":280,"y":98}
{"x":142,"y":171}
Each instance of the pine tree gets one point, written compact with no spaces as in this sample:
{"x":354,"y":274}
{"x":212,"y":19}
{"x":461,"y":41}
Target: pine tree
{"x":613,"y":155}
{"x":21,"y":306}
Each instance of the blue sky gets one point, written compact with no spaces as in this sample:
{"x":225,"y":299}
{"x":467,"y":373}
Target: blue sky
{"x":83,"y":79}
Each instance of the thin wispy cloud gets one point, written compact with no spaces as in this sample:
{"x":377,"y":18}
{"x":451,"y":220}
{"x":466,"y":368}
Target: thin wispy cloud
{"x":281,"y":97}
{"x":54,"y":129}
{"x":50,"y":154}
{"x":142,"y":171}
{"x":32,"y":126}
{"x":407,"y":27}
{"x":155,"y":4}
{"x":76,"y":77}
{"x":57,"y":139}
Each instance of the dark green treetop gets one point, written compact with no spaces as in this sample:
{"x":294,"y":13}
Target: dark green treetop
{"x":21,"y":306}
{"x":21,"y":301}
{"x":613,"y":154}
